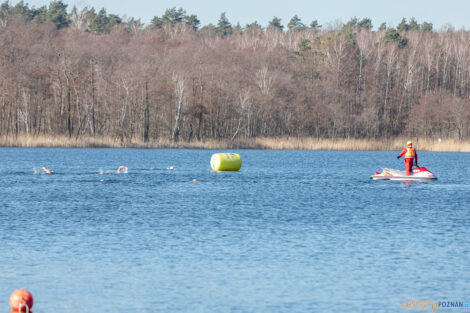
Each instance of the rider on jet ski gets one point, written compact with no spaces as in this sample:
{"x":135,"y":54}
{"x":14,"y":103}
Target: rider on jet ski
{"x":410,"y":155}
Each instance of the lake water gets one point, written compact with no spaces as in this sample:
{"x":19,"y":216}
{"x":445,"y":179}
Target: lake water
{"x":293,"y":231}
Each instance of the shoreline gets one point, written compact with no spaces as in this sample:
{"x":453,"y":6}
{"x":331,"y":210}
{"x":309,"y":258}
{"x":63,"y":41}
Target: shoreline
{"x":307,"y":143}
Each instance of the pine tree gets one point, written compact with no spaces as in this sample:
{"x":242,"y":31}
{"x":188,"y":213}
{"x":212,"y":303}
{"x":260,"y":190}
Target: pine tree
{"x":314,"y":25}
{"x":223,"y":26}
{"x":253,"y":26}
{"x":99,"y":23}
{"x":426,"y":27}
{"x":41,"y":14}
{"x":295,"y":24}
{"x":403,"y":26}
{"x":303,"y":46}
{"x":365,"y":23}
{"x":113,"y":20}
{"x":275,"y":23}
{"x":392,"y":35}
{"x":351,"y":24}
{"x":57,"y":14}
{"x":192,"y":21}
{"x":157,"y":22}
{"x":173,"y":16}
{"x":5,"y":12}
{"x":413,"y":24}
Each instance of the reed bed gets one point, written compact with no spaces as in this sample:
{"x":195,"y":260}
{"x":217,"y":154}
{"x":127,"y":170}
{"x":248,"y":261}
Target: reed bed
{"x":307,"y":143}
{"x":39,"y":141}
{"x":443,"y":145}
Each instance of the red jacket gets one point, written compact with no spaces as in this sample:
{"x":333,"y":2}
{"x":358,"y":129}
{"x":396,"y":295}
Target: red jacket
{"x":411,"y":154}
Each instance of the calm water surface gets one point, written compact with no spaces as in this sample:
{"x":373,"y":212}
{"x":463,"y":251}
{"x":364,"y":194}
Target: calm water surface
{"x":293,"y":231}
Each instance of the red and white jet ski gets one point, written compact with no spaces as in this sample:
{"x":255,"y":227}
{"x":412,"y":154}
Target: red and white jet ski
{"x":418,"y":173}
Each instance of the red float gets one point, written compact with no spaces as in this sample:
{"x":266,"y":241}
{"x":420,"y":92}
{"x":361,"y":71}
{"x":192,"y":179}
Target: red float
{"x":19,"y":299}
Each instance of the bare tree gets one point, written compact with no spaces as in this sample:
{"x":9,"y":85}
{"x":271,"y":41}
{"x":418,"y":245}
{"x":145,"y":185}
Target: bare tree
{"x":178,"y":81}
{"x":244,"y":102}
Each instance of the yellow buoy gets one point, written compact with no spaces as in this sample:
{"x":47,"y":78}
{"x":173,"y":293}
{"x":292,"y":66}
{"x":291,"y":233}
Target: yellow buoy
{"x":226,"y":162}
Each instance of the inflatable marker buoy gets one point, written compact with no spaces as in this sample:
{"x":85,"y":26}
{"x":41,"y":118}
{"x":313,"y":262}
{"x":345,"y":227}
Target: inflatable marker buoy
{"x":226,"y":162}
{"x":21,"y":301}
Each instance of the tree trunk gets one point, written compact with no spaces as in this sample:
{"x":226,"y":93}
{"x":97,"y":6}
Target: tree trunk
{"x":179,"y":97}
{"x":146,"y":114}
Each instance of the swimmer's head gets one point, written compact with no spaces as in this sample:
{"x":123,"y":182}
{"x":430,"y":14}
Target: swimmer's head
{"x":47,"y":170}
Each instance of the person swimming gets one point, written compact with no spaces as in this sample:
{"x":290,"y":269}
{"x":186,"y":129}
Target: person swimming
{"x":47,"y":171}
{"x":122,"y":169}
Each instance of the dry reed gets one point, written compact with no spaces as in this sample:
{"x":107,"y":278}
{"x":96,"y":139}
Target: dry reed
{"x":445,"y":145}
{"x":307,"y":143}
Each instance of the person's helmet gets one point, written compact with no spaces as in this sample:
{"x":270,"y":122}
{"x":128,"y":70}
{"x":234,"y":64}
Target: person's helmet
{"x":409,"y":142}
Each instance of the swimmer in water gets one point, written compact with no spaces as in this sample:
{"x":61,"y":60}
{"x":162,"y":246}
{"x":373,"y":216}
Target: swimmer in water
{"x":170,"y":168}
{"x":47,"y":171}
{"x":122,"y":169}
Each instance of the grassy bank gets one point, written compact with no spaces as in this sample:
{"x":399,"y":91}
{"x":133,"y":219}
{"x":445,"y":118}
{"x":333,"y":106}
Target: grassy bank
{"x":427,"y":144}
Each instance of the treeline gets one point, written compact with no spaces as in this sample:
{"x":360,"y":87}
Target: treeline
{"x":83,"y":73}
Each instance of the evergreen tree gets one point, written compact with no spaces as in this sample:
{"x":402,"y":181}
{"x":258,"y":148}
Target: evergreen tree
{"x":192,"y":21}
{"x":20,"y":9}
{"x":403,"y":42}
{"x":208,"y":30}
{"x":57,"y":14}
{"x":426,"y":27}
{"x":99,"y":23}
{"x":41,"y":15}
{"x":303,"y":46}
{"x":113,"y":20}
{"x":295,"y":24}
{"x":223,"y":26}
{"x":90,"y":15}
{"x":403,"y":26}
{"x":365,"y":23}
{"x":5,"y":12}
{"x":413,"y":24}
{"x":253,"y":26}
{"x":392,"y":35}
{"x":314,"y":25}
{"x":173,"y":16}
{"x":275,"y":23}
{"x":157,"y":22}
{"x":237,"y":29}
{"x":383,"y":26}
{"x":351,"y":24}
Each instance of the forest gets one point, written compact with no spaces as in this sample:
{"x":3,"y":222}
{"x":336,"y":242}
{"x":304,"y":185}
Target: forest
{"x":84,"y":72}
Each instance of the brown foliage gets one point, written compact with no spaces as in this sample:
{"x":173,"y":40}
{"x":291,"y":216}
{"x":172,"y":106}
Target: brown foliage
{"x":129,"y":85}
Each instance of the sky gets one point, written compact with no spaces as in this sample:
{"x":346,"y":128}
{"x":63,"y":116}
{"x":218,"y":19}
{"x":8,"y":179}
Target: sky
{"x":327,"y":12}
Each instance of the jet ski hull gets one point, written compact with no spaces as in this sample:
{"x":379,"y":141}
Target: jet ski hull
{"x":419,"y":174}
{"x":378,"y":177}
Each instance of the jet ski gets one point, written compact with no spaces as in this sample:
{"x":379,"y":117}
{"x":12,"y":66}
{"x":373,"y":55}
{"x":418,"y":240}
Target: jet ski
{"x":418,"y":173}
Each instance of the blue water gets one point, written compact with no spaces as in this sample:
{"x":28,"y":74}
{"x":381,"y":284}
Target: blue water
{"x":293,"y":231}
